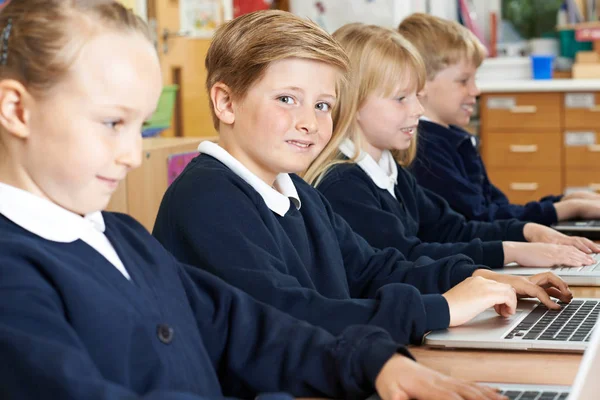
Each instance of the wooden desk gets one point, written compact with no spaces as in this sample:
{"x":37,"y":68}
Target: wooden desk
{"x":506,"y":366}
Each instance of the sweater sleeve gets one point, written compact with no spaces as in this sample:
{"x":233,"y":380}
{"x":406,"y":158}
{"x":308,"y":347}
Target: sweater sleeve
{"x":381,"y":228}
{"x":438,"y":172}
{"x":301,"y":359}
{"x":240,"y":249}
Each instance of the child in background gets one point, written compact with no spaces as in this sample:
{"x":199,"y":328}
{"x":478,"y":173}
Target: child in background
{"x":366,"y":183}
{"x":239,"y":210}
{"x":447,"y":160}
{"x":91,"y":306}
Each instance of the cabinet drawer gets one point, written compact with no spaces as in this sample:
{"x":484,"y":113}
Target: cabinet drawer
{"x":582,"y":149}
{"x":523,"y":150}
{"x":582,"y":179}
{"x":581,"y":110}
{"x":523,"y":185}
{"x":521,"y":111}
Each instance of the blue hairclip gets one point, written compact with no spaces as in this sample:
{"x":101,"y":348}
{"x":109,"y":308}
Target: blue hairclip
{"x":5,"y":36}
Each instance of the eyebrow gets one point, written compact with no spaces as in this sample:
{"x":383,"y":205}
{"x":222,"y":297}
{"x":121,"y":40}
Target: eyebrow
{"x":297,"y":89}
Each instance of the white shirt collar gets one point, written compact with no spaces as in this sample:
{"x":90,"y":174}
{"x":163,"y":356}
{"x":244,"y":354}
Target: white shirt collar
{"x":44,"y":218}
{"x":384,"y":174}
{"x":278,"y":201}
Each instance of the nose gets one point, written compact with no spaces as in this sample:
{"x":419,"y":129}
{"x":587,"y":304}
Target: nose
{"x":473,"y":89}
{"x":307,"y":120}
{"x":130,"y":150}
{"x":417,"y":109}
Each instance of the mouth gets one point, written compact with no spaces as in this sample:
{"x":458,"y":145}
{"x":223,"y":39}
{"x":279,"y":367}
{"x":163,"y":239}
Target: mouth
{"x":300,"y":144}
{"x":112,"y":182}
{"x":410,"y":130}
{"x":468,"y":108}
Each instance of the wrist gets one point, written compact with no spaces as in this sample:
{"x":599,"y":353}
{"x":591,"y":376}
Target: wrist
{"x":567,"y":209}
{"x":511,"y":250}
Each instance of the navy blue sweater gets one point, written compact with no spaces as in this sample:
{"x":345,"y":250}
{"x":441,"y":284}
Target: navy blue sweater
{"x":73,"y":327}
{"x":415,"y":220}
{"x":448,"y":164}
{"x":308,"y":263}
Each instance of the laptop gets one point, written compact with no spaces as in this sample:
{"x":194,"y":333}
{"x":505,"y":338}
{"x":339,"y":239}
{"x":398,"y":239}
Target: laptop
{"x":585,"y":387}
{"x":532,"y":327}
{"x":588,"y":275}
{"x":586,"y":228}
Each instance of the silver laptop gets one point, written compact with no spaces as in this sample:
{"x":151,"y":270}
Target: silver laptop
{"x":586,"y":228}
{"x":585,"y":387}
{"x":532,"y":327}
{"x":588,"y":275}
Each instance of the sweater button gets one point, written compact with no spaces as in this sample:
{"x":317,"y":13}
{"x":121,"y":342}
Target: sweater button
{"x":165,"y":333}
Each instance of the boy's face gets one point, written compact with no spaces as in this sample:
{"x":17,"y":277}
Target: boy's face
{"x":86,"y":135}
{"x":284,"y":121}
{"x":389,"y":122}
{"x":450,"y":95}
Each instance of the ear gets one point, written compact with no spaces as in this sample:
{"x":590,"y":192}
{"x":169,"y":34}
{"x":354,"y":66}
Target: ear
{"x":222,"y":100}
{"x":14,"y":113}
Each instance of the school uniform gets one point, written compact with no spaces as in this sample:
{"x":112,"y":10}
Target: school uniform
{"x":383,"y":203}
{"x":448,"y":163}
{"x":288,"y":248}
{"x":95,"y":308}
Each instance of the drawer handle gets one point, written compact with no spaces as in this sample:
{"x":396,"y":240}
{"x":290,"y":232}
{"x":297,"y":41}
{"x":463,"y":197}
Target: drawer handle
{"x":595,"y":108}
{"x":524,"y":186}
{"x":523,"y":109}
{"x":595,"y":187}
{"x":523,"y":148}
{"x":594,"y":148}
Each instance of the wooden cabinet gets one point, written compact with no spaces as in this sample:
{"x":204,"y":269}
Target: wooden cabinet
{"x":521,"y":111}
{"x":536,"y":144}
{"x":142,"y":191}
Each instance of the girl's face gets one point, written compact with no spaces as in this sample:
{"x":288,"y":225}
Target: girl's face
{"x":85,"y":136}
{"x":389,"y":122}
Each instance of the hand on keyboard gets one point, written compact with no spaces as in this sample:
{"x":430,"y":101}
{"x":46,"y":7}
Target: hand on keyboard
{"x":536,"y":233}
{"x":401,"y":379}
{"x":540,"y":286}
{"x":544,"y":255}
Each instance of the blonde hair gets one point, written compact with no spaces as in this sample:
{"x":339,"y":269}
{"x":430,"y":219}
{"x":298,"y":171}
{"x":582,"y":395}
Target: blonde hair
{"x":46,"y":36}
{"x":441,"y":42}
{"x":380,"y":59}
{"x":242,"y":49}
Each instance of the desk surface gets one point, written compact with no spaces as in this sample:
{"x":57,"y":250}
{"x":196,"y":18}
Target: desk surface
{"x":506,"y":366}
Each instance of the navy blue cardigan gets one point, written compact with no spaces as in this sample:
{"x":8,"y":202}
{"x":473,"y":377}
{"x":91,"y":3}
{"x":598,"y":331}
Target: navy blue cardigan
{"x":417,"y":222}
{"x":308,"y":263}
{"x":73,"y":327}
{"x":449,"y":164}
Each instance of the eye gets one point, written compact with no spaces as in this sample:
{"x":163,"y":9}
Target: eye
{"x":286,"y":99}
{"x":113,"y":124}
{"x":400,"y":99}
{"x":326,"y":107}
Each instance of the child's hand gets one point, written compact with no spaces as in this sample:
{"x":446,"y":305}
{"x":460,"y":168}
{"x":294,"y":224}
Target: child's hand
{"x":582,"y":194}
{"x":544,"y":255}
{"x":402,"y":379}
{"x":542,"y":234}
{"x":577,"y":209}
{"x":540,"y":286}
{"x":476,"y":294}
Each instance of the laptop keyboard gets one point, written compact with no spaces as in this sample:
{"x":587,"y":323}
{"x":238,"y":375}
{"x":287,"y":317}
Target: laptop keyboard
{"x":574,"y":322}
{"x":533,"y":395}
{"x":587,"y":268}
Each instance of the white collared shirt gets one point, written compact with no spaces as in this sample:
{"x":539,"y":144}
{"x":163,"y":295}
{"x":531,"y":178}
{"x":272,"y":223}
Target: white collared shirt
{"x":52,"y":222}
{"x":384,"y":174}
{"x":278,"y":200}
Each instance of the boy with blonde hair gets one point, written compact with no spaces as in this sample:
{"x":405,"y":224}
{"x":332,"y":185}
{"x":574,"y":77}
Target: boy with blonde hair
{"x":447,"y":160}
{"x":240,"y":211}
